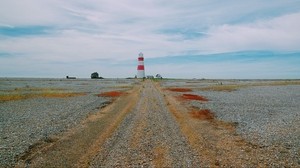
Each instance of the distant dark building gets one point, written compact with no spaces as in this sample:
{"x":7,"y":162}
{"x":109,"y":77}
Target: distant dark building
{"x":95,"y":75}
{"x":158,"y":76}
{"x":70,"y":77}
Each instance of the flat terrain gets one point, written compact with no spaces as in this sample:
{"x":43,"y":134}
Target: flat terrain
{"x":132,"y":123}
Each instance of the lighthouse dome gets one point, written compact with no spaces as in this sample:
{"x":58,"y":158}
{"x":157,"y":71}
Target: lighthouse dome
{"x":140,"y":54}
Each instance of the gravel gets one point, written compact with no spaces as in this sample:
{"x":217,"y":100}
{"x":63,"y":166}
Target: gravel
{"x":271,"y":112}
{"x":23,"y":123}
{"x":265,"y":115}
{"x":148,"y":137}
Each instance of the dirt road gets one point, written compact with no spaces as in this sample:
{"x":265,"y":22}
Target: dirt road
{"x":137,"y":129}
{"x":149,"y":127}
{"x":148,"y":136}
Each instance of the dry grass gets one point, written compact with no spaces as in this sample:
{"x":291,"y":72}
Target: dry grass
{"x":28,"y":93}
{"x":110,"y":94}
{"x":179,"y":89}
{"x":225,"y":88}
{"x":193,"y":97}
{"x":233,"y":87}
{"x":161,"y":158}
{"x":278,"y":83}
{"x":121,"y":87}
{"x":203,"y":114}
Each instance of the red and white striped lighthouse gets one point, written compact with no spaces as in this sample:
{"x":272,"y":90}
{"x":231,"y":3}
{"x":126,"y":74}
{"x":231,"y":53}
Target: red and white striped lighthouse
{"x":141,"y":68}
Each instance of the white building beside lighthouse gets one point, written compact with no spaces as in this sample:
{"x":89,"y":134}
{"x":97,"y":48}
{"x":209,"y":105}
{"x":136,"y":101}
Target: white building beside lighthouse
{"x":140,"y":67}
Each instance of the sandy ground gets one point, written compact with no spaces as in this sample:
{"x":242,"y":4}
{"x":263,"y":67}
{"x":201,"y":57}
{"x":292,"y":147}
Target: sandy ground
{"x":150,"y":126}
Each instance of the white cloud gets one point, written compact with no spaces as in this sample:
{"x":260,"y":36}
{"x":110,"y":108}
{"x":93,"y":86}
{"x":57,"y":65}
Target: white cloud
{"x":30,"y":12}
{"x":281,"y":33}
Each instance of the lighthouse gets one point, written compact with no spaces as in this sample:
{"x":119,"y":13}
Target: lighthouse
{"x":140,"y":67}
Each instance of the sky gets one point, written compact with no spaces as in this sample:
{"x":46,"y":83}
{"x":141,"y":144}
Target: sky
{"x":232,"y":39}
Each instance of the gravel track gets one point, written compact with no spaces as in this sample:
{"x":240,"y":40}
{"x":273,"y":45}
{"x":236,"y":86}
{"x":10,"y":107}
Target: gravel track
{"x":149,"y":136}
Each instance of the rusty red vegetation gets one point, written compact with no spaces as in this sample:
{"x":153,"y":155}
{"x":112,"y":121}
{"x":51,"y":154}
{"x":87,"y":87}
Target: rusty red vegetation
{"x":194,"y":97}
{"x":204,"y":114}
{"x":180,"y":89}
{"x":110,"y":94}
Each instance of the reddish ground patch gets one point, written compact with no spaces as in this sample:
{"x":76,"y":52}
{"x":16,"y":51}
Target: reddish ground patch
{"x":110,"y":94}
{"x":180,"y":89}
{"x":194,"y":97}
{"x":204,"y":114}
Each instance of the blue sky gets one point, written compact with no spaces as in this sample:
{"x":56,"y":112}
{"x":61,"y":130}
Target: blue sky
{"x":179,"y":39}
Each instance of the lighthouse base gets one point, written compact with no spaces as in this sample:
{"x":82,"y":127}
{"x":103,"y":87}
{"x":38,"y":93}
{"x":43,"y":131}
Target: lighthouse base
{"x":141,"y":74}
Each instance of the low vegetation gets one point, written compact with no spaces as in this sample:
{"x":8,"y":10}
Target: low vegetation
{"x":28,"y":92}
{"x":193,"y":97}
{"x":179,"y":89}
{"x":203,"y":114}
{"x":110,"y":94}
{"x":225,"y":88}
{"x":233,"y":87}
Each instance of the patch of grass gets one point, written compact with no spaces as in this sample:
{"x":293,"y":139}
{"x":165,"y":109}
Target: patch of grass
{"x":11,"y":97}
{"x":203,"y":114}
{"x":35,"y":89}
{"x":193,"y":97}
{"x":61,"y":95}
{"x":234,"y":87}
{"x":226,"y":88}
{"x":110,"y":94}
{"x":161,"y":156}
{"x":124,"y":86}
{"x":278,"y":83}
{"x":28,"y":93}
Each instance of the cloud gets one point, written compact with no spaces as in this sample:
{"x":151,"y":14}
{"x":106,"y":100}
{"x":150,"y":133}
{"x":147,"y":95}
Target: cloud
{"x":30,"y":12}
{"x":279,"y":33}
{"x":68,"y":32}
